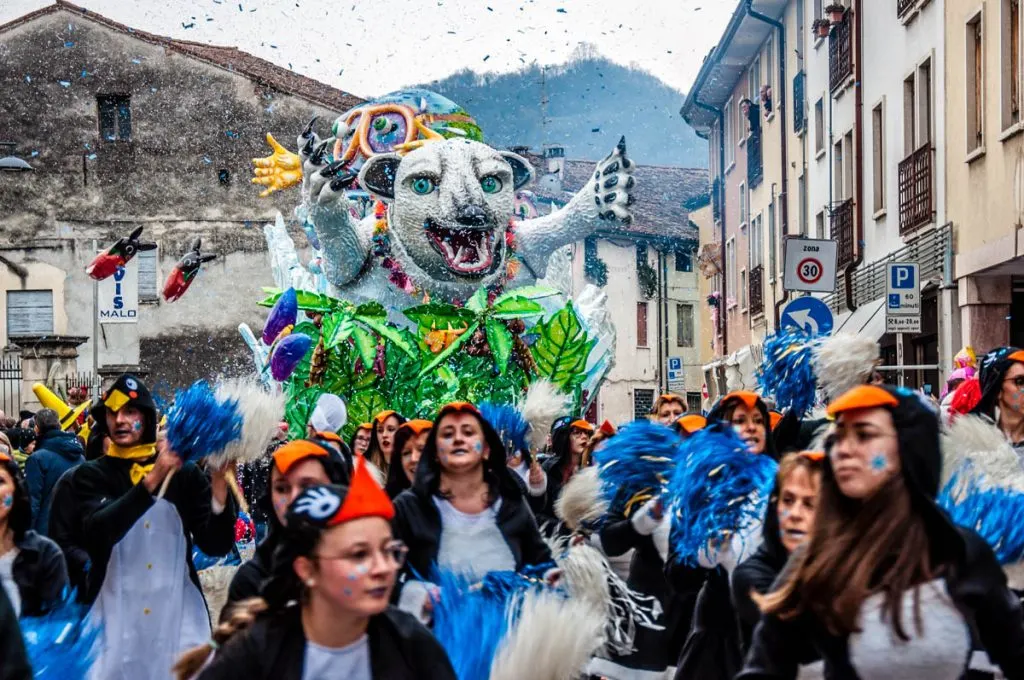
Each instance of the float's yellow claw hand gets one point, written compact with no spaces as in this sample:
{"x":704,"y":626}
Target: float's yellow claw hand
{"x":280,"y":170}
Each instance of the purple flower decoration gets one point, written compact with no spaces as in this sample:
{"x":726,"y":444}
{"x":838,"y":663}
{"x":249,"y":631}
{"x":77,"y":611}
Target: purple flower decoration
{"x":284,"y":314}
{"x":287,"y":355}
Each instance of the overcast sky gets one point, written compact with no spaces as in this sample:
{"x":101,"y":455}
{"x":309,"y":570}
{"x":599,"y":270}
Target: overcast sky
{"x":370,"y":47}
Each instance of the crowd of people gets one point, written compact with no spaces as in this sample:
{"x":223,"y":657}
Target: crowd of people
{"x":851,"y":569}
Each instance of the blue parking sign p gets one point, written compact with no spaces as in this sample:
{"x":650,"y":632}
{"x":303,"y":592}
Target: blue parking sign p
{"x":902,"y":277}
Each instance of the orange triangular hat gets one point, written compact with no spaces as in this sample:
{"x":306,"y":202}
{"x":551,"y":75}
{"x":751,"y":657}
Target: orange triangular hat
{"x":365,"y":498}
{"x":861,"y":397}
{"x":775,"y":418}
{"x":608,"y":429}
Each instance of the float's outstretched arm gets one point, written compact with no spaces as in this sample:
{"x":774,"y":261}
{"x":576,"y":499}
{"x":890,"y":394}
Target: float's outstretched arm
{"x":603,"y":201}
{"x":344,"y":244}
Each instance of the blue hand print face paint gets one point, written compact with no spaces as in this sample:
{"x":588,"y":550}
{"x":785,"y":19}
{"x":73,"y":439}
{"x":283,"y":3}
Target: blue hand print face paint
{"x":8,"y":501}
{"x":879,"y":463}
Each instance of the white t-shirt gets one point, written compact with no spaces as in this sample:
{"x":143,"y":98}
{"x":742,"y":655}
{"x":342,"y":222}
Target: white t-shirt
{"x":472,"y":545}
{"x":7,"y":579}
{"x":345,"y":663}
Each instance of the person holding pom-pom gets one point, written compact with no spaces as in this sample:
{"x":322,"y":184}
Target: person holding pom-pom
{"x":142,"y":585}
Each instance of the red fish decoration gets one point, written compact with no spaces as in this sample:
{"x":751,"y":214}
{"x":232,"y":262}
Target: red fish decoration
{"x":185,"y":271}
{"x":118,"y":255}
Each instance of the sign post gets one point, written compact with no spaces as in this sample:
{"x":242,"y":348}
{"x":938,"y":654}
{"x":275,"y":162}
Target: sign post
{"x":676,"y":375}
{"x":810,"y":265}
{"x":902,"y":305}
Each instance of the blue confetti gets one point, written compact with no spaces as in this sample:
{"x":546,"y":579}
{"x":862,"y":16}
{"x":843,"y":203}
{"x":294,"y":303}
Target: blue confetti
{"x":199,"y":423}
{"x":33,"y":154}
{"x":231,"y":133}
{"x":136,"y":61}
{"x":64,"y":83}
{"x":28,"y":79}
{"x":85,"y":73}
{"x":69,"y":43}
{"x":91,"y":156}
{"x":207,"y":160}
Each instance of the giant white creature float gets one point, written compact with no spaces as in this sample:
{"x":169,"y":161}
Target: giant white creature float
{"x":421,"y":244}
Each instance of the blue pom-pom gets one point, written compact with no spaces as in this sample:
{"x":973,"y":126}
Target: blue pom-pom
{"x":200,"y":424}
{"x":995,"y":513}
{"x":510,"y":425}
{"x":636,"y":465}
{"x":787,"y":372}
{"x":712,"y":491}
{"x":62,"y":644}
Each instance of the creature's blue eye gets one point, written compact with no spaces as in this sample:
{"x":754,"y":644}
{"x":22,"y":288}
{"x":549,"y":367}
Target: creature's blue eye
{"x":423,"y":185}
{"x":490,"y":184}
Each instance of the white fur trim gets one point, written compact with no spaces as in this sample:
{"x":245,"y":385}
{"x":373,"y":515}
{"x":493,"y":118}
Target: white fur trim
{"x":643,"y":521}
{"x":580,"y":501}
{"x":843,"y":361}
{"x":541,"y":406}
{"x":609,"y":669}
{"x":979,"y":442}
{"x":261,"y":413}
{"x":541,"y":487}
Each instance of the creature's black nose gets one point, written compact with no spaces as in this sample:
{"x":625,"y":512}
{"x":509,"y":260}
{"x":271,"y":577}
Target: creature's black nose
{"x":471,"y":215}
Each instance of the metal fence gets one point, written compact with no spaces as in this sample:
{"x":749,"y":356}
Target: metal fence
{"x":10,"y":385}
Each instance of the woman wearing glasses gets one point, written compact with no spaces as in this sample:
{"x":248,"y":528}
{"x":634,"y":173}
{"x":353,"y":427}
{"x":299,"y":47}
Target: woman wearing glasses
{"x":886,"y":585}
{"x":464,"y":512}
{"x":325,"y":613}
{"x":1002,"y":392}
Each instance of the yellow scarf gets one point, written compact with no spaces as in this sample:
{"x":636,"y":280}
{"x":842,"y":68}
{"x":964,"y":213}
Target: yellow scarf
{"x":140,"y":452}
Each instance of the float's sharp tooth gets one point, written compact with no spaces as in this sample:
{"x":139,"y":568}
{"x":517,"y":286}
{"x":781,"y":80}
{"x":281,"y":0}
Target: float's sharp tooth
{"x":457,"y":260}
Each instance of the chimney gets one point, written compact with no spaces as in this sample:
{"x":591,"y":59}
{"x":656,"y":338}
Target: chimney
{"x":522,"y":150}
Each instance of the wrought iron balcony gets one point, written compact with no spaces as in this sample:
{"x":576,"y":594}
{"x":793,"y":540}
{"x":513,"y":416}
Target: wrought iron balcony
{"x":904,"y":6}
{"x":756,"y":292}
{"x":840,"y":52}
{"x":915,"y":183}
{"x":842,"y":232}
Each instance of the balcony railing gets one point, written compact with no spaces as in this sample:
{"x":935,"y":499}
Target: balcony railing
{"x":716,"y":199}
{"x":842,"y":232}
{"x":915,"y":182}
{"x":799,"y":117}
{"x":756,"y":291}
{"x":840,"y":52}
{"x":904,"y":6}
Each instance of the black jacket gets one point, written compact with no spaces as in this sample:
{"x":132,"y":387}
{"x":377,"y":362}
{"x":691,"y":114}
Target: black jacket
{"x":110,"y":505}
{"x":40,"y":573}
{"x":274,"y":649}
{"x":56,"y":453}
{"x":66,"y":532}
{"x":976,"y":584}
{"x":13,"y":659}
{"x":249,"y":577}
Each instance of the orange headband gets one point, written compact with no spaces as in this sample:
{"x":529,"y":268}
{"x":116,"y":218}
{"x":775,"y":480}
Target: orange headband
{"x":816,"y":456}
{"x":670,"y":397}
{"x":692,"y":423}
{"x":417,"y":426}
{"x":382,"y":416}
{"x":1017,"y":356}
{"x":365,"y":426}
{"x":749,"y":399}
{"x":459,"y":407}
{"x":860,"y":397}
{"x":329,"y":436}
{"x":291,"y":453}
{"x":581,"y":425}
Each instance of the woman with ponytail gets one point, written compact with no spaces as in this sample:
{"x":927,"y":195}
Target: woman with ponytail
{"x":326,"y":613}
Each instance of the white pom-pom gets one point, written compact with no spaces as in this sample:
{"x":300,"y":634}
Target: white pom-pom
{"x":541,"y":407}
{"x":261,"y":413}
{"x":977,"y":441}
{"x":843,"y":361}
{"x":581,"y":500}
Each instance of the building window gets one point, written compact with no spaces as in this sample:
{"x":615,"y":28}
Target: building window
{"x":802,"y":194}
{"x":772,"y":242}
{"x":848,"y":176}
{"x":878,"y":155}
{"x":641,"y":324}
{"x":1010,"y":62}
{"x":819,"y":126}
{"x":744,"y":205}
{"x":756,"y":242}
{"x":754,"y":81}
{"x":29,"y":312}
{"x":975,"y":84}
{"x":769,"y":72}
{"x":818,"y":14}
{"x":837,"y":171}
{"x":693,"y":400}
{"x":643,"y":402}
{"x":115,"y":114}
{"x":733,"y":284}
{"x":730,"y":135}
{"x":684,"y":325}
{"x":909,"y":116}
{"x":148,"y":277}
{"x":743,"y":290}
{"x":684,"y":260}
{"x":819,"y":225}
{"x":924,"y":101}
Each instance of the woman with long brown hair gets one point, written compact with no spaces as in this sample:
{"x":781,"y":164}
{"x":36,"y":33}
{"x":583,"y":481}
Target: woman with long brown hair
{"x":887,"y":586}
{"x":382,"y":439}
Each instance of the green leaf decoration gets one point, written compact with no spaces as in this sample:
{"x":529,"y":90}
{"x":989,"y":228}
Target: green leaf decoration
{"x":366,"y":346}
{"x":406,"y":342}
{"x":307,"y":300}
{"x":478,"y":302}
{"x":301,"y":401}
{"x":440,"y":316}
{"x":337,"y":327}
{"x":500,"y":340}
{"x":443,"y":355}
{"x":364,"y":405}
{"x":562,"y":348}
{"x":528,"y":292}
{"x":516,"y":307}
{"x":342,"y":376}
{"x":372,"y":310}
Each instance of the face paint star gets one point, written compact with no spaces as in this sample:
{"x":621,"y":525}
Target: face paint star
{"x":879,"y":462}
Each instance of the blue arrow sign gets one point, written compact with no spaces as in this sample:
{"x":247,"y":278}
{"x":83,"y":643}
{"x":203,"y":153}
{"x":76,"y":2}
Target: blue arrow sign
{"x":808,"y":313}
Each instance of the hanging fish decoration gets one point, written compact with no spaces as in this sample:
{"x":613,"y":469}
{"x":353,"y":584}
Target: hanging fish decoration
{"x":185,"y":271}
{"x":284,"y":313}
{"x":118,"y":255}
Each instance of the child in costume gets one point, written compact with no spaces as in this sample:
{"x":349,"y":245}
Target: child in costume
{"x":296,"y":466}
{"x":326,"y":614}
{"x":887,"y":585}
{"x":464,"y":512}
{"x":382,"y":439}
{"x":406,"y":450}
{"x":143,"y":586}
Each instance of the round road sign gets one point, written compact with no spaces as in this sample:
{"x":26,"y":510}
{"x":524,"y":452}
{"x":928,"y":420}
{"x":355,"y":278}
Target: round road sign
{"x":809,"y":270}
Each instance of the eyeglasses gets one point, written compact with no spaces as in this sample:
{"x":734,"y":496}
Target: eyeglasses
{"x":394,"y":552}
{"x":1018,"y":382}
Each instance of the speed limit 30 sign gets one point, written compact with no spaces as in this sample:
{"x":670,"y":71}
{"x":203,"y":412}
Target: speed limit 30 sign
{"x":810,"y":265}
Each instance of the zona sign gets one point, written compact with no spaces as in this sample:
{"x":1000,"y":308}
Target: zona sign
{"x":809,"y":270}
{"x":810,"y":265}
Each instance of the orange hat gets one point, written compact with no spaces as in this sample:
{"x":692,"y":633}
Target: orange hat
{"x":608,"y":429}
{"x":816,"y":456}
{"x":692,"y":423}
{"x":291,"y":453}
{"x":383,"y":415}
{"x":1017,"y":356}
{"x":458,"y":407}
{"x":775,"y":417}
{"x":330,"y":437}
{"x":418,"y":426}
{"x":749,"y":399}
{"x":672,"y":396}
{"x":581,"y":425}
{"x":860,"y":397}
{"x":328,"y":506}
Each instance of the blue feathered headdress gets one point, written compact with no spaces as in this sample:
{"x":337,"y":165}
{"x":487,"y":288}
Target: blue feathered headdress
{"x":636,"y":464}
{"x":510,"y":425}
{"x":718,"y":488}
{"x":787,"y":372}
{"x":63,"y":643}
{"x":995,"y":513}
{"x":200,"y":423}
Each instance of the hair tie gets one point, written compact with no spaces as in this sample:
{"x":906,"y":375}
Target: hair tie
{"x":214,"y":645}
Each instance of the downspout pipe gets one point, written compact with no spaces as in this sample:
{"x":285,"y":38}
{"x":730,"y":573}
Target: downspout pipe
{"x":858,"y":155}
{"x":723,"y":326}
{"x":784,"y":159}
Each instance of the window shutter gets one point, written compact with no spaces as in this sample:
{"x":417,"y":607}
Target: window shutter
{"x":148,"y":286}
{"x":29,"y":312}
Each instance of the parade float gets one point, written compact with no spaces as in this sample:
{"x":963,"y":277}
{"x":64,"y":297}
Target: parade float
{"x":432,"y":277}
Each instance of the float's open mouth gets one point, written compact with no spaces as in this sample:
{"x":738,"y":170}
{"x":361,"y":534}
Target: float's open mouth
{"x":465,"y":251}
